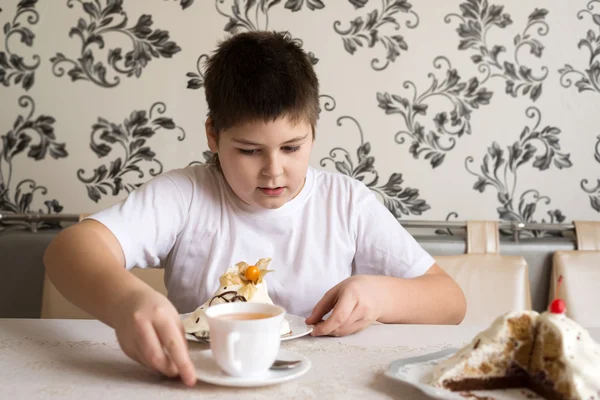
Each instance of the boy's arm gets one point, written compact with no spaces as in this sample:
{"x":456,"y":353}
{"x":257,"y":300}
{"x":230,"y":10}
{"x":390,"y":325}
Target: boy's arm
{"x":432,"y":298}
{"x":86,"y":264}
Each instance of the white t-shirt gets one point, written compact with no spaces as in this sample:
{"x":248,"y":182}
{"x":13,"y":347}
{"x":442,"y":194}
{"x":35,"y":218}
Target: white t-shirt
{"x":190,"y":222}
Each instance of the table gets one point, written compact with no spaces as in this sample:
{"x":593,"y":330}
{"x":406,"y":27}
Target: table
{"x":81,"y":359}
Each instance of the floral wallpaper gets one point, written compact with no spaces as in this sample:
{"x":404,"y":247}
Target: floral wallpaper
{"x":451,"y":110}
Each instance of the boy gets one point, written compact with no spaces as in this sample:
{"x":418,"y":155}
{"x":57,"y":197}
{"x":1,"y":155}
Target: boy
{"x":334,"y":246}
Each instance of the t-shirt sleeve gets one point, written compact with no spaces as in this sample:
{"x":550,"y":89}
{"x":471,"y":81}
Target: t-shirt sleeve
{"x":147,"y":222}
{"x":383,"y":246}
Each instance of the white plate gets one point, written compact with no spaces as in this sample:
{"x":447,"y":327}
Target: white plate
{"x":207,"y":370}
{"x":297,"y":326}
{"x":417,"y":371}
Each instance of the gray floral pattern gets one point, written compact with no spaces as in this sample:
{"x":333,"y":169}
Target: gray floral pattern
{"x":253,"y":15}
{"x":19,"y":197}
{"x":398,"y":199}
{"x":326,"y":103}
{"x":131,"y":137}
{"x":196,"y":79}
{"x":207,"y":155}
{"x":13,"y":68}
{"x":499,"y":170}
{"x":476,"y":19}
{"x":463,"y":96}
{"x":448,"y":231}
{"x":147,"y":44}
{"x":589,"y":79}
{"x":594,"y":191}
{"x":185,"y":3}
{"x":451,"y":81}
{"x":369,"y":31}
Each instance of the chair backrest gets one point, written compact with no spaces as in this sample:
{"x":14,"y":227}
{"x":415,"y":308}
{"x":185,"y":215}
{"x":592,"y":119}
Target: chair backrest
{"x":54,"y":304}
{"x":493,"y":284}
{"x":580,"y":270}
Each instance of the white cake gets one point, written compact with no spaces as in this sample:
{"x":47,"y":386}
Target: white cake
{"x":234,"y":286}
{"x":548,"y":353}
{"x":495,"y":358}
{"x":566,"y":356}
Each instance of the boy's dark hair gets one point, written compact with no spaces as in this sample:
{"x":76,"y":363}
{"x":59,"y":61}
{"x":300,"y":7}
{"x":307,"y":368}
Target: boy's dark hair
{"x":260,"y":76}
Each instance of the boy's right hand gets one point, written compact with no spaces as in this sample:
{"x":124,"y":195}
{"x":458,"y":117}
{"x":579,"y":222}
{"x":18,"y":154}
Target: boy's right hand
{"x":150,"y":331}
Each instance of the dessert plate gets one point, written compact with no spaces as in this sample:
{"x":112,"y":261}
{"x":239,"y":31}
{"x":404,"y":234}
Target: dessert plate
{"x":207,"y":370}
{"x":297,"y":326}
{"x":417,"y":372}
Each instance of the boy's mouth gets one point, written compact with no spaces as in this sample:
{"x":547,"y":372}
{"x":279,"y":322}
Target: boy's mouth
{"x":276,"y":191}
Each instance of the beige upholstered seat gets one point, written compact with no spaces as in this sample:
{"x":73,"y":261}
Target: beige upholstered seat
{"x":580,"y":270}
{"x":54,"y":305}
{"x":493,"y":284}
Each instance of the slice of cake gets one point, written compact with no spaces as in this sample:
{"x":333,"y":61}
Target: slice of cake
{"x":548,"y":353}
{"x":241,"y":282}
{"x":496,"y":358}
{"x":565,"y":363}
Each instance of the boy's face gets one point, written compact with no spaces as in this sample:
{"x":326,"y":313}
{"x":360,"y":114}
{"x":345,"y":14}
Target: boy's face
{"x":265,"y":163}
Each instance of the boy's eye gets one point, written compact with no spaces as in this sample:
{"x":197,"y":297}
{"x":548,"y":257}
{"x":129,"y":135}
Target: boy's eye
{"x":250,"y":152}
{"x":247,"y":152}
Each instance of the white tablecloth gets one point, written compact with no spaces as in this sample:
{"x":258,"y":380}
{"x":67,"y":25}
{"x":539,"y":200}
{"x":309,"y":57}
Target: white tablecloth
{"x":81,"y":359}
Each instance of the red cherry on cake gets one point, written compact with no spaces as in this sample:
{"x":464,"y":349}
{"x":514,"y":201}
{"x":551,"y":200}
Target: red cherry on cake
{"x":558,"y":306}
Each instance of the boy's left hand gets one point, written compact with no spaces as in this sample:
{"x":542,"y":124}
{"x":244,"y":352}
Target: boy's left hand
{"x":355,"y":305}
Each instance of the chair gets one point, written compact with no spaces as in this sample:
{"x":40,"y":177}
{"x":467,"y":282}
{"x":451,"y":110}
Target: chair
{"x":580,"y":270}
{"x":492,"y":283}
{"x":54,"y":305}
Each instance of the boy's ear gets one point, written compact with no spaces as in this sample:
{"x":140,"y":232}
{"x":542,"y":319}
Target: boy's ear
{"x":211,"y":135}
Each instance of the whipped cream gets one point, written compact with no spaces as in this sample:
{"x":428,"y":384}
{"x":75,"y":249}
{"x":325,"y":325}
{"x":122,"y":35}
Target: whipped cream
{"x":488,"y":347}
{"x":579,"y":354}
{"x":490,"y":353}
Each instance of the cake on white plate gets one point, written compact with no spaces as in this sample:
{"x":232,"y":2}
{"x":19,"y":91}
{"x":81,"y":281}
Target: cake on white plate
{"x":241,"y":282}
{"x":548,"y":353}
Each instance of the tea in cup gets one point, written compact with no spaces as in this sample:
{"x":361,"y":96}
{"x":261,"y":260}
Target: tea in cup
{"x":245,"y":337}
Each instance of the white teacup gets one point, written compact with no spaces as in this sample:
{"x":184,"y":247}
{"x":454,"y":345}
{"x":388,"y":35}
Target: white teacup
{"x":245,"y":337}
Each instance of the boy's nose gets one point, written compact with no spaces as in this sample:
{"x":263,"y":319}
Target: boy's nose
{"x":272,"y":167}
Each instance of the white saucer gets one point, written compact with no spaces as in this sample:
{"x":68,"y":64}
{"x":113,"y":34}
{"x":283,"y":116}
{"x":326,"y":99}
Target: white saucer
{"x":417,"y":372}
{"x":207,"y":370}
{"x":297,"y":326}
